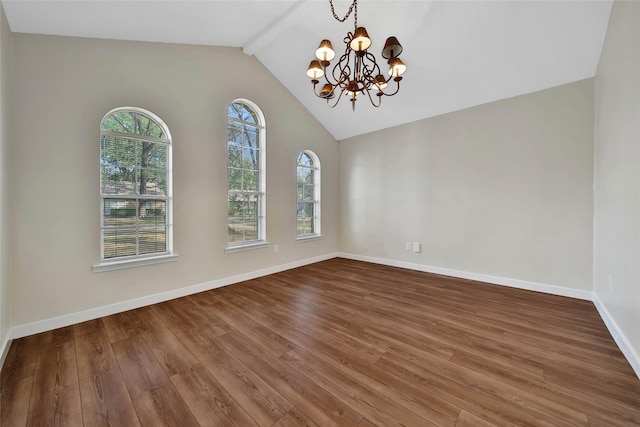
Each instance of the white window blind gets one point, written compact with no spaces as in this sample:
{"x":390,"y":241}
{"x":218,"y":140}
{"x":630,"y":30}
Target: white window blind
{"x":135,"y":184}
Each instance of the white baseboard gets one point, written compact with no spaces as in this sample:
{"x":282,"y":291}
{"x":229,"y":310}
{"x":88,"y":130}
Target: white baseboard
{"x":4,"y":350}
{"x":94,"y":313}
{"x":496,"y":280}
{"x":618,"y":336}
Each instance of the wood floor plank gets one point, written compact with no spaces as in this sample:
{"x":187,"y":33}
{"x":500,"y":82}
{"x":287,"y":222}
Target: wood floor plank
{"x":264,"y":404}
{"x":93,"y":349}
{"x":170,"y":352}
{"x":20,"y":362}
{"x":267,"y":338}
{"x":468,"y":419}
{"x":338,"y":342}
{"x":55,"y":399}
{"x":473,"y":400}
{"x":615,"y":411}
{"x":503,"y":394}
{"x":140,"y":369}
{"x":362,"y":398}
{"x":364,"y":371}
{"x":323,"y":332}
{"x":106,"y":401}
{"x":14,"y":408}
{"x":16,"y":380}
{"x":153,"y":395}
{"x":209,"y":402}
{"x":119,"y":326}
{"x":295,"y":418}
{"x":184,"y":314}
{"x":316,"y":403}
{"x":163,"y":406}
{"x":366,"y":423}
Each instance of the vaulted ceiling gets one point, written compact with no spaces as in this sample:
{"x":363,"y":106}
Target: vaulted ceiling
{"x":458,"y":53}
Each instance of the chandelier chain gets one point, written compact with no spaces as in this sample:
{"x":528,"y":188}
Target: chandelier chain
{"x":352,"y":8}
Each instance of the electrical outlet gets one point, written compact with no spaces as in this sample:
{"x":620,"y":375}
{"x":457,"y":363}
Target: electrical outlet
{"x":416,"y":247}
{"x":407,"y":246}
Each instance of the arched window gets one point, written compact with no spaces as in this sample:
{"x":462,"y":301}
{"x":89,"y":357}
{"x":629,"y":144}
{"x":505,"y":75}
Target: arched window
{"x":245,"y":175}
{"x":308,"y":189}
{"x":135,"y":185}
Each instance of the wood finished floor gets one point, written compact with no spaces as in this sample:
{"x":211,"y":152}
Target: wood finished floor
{"x":339,"y":342}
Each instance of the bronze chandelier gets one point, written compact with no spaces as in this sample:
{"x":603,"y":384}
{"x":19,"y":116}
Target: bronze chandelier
{"x":358,"y":73}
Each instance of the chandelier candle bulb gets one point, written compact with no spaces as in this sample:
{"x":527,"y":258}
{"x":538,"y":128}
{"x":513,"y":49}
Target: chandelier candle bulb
{"x":356,"y":72}
{"x":360,"y":41}
{"x":325,"y":52}
{"x":315,"y":70}
{"x":396,"y":67}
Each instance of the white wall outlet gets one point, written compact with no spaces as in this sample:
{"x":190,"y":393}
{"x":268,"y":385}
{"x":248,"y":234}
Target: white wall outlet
{"x":276,"y":249}
{"x":407,"y":246}
{"x":416,"y":247}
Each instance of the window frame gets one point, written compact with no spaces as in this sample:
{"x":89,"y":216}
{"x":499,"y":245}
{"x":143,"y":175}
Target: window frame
{"x":126,"y":261}
{"x":261,"y":192}
{"x":317,"y":194}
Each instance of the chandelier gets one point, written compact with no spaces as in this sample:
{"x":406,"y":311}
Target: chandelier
{"x":358,"y":73}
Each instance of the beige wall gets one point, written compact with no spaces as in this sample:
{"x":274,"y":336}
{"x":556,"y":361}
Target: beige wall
{"x":64,"y":86}
{"x":502,"y":189}
{"x":5,"y":46}
{"x":617,"y":173}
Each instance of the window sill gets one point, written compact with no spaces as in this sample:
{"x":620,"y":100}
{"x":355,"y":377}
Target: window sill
{"x":131,"y":263}
{"x":246,"y":247}
{"x":308,"y":237}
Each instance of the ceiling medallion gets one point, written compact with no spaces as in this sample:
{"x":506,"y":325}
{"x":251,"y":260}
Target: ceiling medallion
{"x":360,"y":75}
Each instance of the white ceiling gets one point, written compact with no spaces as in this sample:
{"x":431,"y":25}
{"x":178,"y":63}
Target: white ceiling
{"x":459,"y":54}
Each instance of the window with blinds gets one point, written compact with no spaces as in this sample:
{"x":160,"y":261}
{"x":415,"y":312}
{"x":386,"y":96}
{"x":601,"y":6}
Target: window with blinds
{"x":135,"y":185}
{"x":245,"y":174}
{"x":308,"y":189}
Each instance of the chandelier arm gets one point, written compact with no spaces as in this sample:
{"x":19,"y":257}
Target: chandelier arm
{"x":315,"y":92}
{"x":334,"y":81}
{"x":371,"y":57}
{"x":396,"y":91}
{"x":315,"y":83}
{"x":345,"y":70}
{"x":343,"y":63}
{"x":340,"y":82}
{"x":337,"y":100}
{"x":372,"y":101}
{"x":369,"y":73}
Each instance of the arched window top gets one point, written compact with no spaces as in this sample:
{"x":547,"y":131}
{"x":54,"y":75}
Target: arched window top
{"x":135,"y":121}
{"x":308,"y":159}
{"x":244,"y":111}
